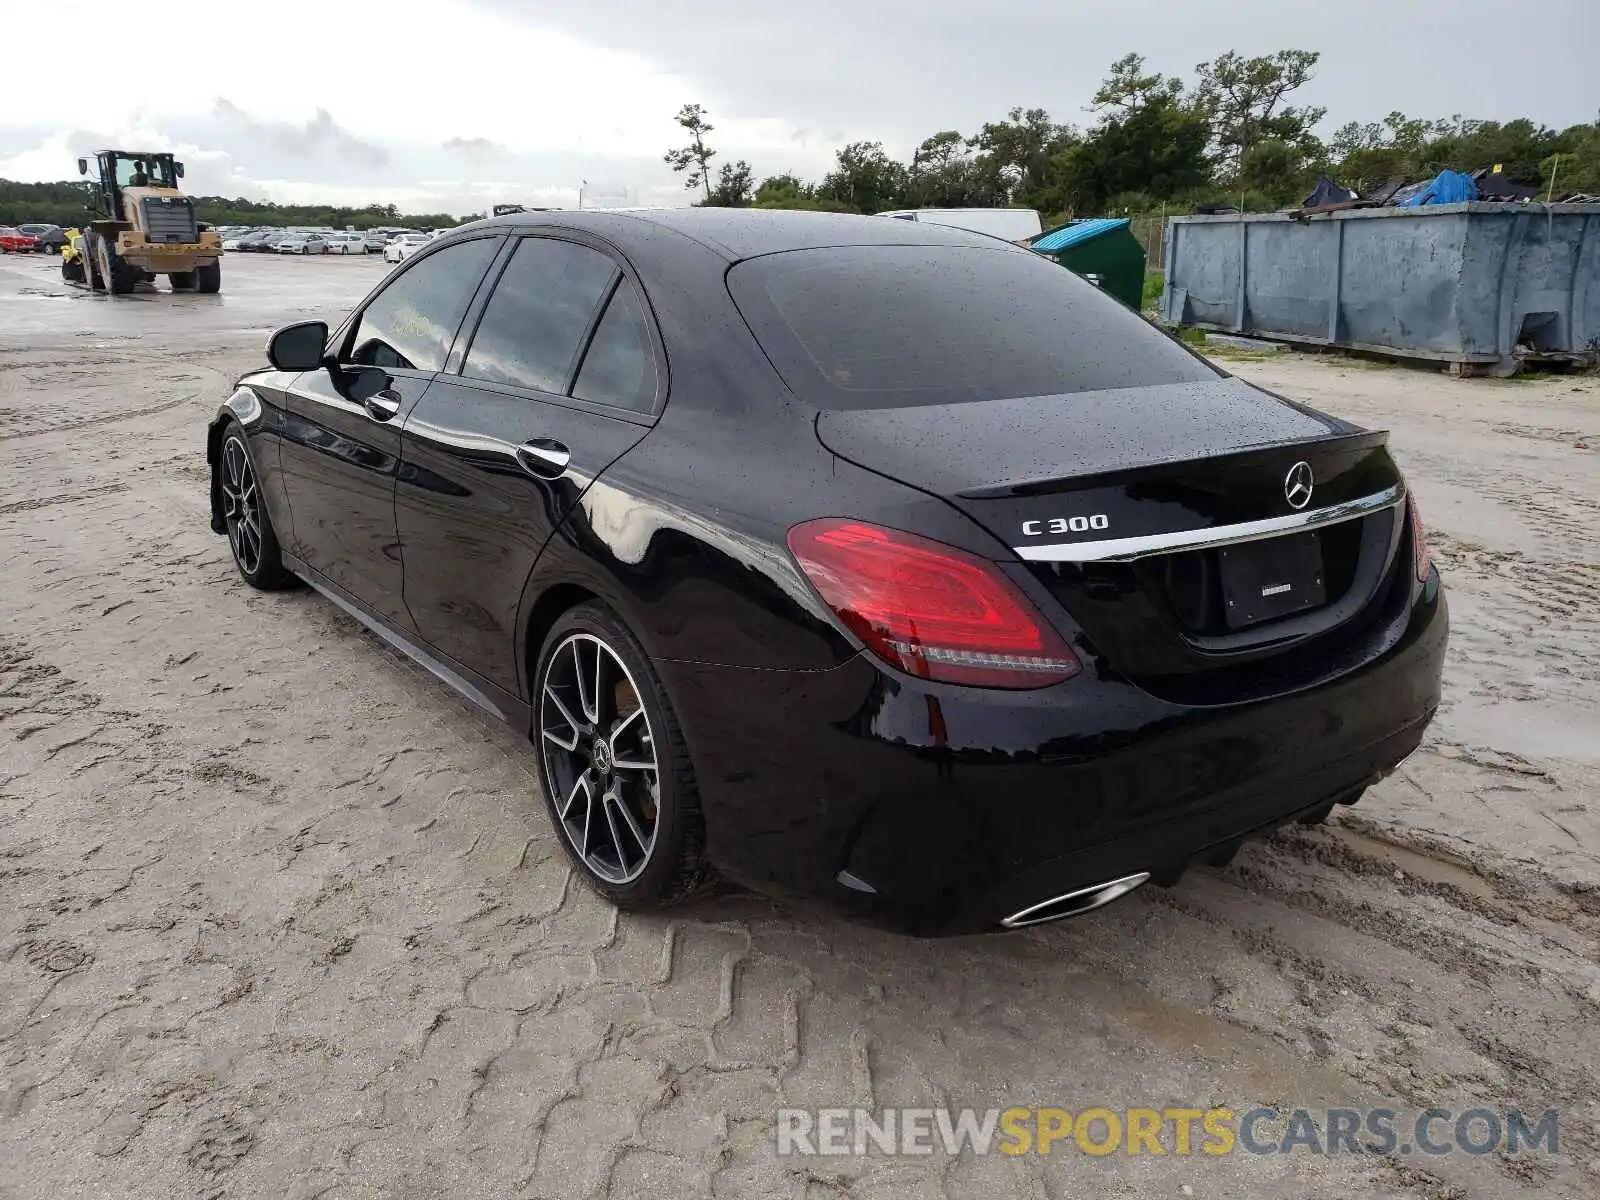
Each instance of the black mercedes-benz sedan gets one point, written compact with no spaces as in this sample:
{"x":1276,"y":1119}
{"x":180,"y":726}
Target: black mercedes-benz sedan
{"x":849,"y":558}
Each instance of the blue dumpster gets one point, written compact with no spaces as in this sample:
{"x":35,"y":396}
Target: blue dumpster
{"x":1474,"y":283}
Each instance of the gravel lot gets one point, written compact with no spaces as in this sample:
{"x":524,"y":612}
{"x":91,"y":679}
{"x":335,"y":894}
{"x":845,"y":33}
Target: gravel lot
{"x":282,"y":916}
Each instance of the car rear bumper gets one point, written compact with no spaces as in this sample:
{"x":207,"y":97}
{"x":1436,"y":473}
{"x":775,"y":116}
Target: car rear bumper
{"x":934,"y":809}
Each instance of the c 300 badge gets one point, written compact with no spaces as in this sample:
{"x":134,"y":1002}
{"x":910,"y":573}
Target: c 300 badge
{"x":1097,"y":521}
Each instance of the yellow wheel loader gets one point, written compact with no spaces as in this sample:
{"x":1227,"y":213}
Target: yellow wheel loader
{"x":140,"y":226}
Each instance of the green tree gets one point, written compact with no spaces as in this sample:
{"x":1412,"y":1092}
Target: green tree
{"x":63,"y":204}
{"x":1016,"y":157}
{"x":866,"y":179}
{"x":1282,"y":171}
{"x":1150,"y":142}
{"x":941,"y":174}
{"x":1365,"y":156}
{"x":695,"y":158}
{"x":1519,"y":146}
{"x":1128,"y":87}
{"x":1575,"y":163}
{"x":1244,"y":101}
{"x":777,"y":188}
{"x":787,"y":191}
{"x":735,"y":186}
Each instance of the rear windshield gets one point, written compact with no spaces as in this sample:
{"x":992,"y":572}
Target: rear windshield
{"x":897,"y":326}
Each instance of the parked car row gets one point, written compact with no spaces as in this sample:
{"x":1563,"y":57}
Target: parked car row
{"x":327,"y":241}
{"x":396,"y":245}
{"x":32,"y":237}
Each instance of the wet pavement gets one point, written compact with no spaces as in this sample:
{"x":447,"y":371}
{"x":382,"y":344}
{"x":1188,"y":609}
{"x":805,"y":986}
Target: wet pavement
{"x":259,"y":292}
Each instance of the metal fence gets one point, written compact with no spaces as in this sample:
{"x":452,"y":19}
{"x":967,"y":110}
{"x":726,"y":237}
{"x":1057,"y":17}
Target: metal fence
{"x":1151,"y":232}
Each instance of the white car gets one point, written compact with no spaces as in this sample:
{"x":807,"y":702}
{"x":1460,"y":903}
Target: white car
{"x":345,"y":243}
{"x":404,"y":246}
{"x":302,"y":243}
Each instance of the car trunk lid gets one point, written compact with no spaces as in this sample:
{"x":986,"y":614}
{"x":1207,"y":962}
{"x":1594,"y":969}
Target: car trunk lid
{"x":1171,"y":522}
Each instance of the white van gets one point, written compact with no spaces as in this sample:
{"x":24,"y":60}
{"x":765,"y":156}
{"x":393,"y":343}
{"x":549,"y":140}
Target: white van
{"x":1012,"y":224}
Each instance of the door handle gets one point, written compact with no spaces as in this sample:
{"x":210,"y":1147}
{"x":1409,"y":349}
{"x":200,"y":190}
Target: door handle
{"x":382,"y":406}
{"x":544,"y":457}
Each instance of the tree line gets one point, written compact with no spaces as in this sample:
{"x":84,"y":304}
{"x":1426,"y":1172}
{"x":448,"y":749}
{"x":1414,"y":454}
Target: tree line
{"x":64,"y":204}
{"x":1232,"y":135}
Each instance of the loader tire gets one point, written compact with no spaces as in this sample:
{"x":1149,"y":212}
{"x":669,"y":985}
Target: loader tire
{"x":91,"y":262}
{"x":208,"y":278}
{"x":182,"y":281}
{"x":120,"y":276}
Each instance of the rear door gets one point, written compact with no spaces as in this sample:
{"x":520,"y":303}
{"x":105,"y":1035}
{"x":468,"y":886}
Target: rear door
{"x":341,"y":449}
{"x":562,"y":375}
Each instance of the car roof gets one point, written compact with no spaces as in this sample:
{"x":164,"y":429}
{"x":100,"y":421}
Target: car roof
{"x":741,"y":233}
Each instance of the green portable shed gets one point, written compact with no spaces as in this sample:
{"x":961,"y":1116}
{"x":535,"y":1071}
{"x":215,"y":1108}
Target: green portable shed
{"x":1101,"y":249}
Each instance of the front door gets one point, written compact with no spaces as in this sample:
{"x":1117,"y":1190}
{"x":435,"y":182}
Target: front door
{"x":341,"y":445}
{"x":561,"y":377}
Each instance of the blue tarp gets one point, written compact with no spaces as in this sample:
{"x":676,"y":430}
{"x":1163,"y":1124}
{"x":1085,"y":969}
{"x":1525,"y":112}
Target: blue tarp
{"x":1448,"y":187}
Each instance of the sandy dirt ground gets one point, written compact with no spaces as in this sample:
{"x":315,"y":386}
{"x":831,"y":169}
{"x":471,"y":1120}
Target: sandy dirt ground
{"x":282,"y":916}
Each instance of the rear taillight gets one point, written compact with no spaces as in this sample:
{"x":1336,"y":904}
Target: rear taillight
{"x":1419,"y":542}
{"x":929,"y":609}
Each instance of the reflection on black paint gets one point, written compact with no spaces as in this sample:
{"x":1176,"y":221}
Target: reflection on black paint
{"x":416,"y":476}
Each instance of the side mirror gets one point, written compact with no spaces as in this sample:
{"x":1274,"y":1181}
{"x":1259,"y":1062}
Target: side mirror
{"x":83,"y":166}
{"x":177,"y":169}
{"x":298,"y":347}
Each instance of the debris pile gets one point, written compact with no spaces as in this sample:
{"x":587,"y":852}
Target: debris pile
{"x":1488,"y":183}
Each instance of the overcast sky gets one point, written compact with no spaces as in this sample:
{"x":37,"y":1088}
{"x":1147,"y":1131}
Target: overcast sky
{"x":461,"y":103}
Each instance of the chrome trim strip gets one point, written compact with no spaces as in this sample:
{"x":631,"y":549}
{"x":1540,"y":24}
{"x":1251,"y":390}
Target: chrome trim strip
{"x":1098,"y":895}
{"x":1128,"y":549}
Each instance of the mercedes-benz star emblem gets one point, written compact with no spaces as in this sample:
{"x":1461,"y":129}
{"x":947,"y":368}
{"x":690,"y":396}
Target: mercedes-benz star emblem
{"x":1297,"y":485}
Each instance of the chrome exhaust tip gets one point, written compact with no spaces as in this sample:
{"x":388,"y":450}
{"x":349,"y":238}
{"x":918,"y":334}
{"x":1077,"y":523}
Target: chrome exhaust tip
{"x":1075,"y":904}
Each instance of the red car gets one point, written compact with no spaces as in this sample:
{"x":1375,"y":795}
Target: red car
{"x":12,"y":239}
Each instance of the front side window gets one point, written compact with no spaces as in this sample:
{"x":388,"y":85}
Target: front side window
{"x":534,"y":325}
{"x":411,"y":323}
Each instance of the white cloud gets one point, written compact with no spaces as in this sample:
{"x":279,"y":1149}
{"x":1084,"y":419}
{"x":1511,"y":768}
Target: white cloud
{"x":362,"y":100}
{"x":414,"y":114}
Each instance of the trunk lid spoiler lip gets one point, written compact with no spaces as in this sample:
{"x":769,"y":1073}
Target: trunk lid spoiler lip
{"x":1357,"y":439}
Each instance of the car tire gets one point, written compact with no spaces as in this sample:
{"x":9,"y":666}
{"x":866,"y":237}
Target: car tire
{"x":253,"y":543}
{"x":605,"y":812}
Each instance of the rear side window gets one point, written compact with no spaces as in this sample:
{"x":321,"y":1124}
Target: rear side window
{"x":535,"y":323}
{"x":620,"y":367}
{"x":897,"y":326}
{"x":411,"y":323}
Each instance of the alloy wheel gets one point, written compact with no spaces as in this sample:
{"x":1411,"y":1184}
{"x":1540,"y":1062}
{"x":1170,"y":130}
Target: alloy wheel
{"x":600,"y":758}
{"x":241,"y":506}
